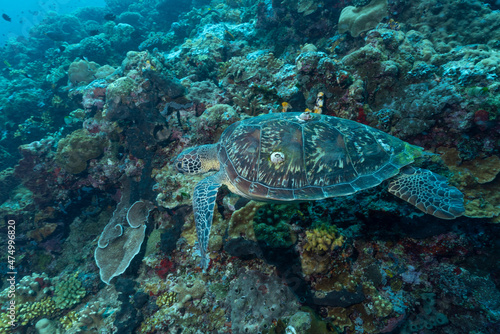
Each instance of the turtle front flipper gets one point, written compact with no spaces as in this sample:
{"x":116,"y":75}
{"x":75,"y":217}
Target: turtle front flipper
{"x":429,"y":192}
{"x":204,"y":197}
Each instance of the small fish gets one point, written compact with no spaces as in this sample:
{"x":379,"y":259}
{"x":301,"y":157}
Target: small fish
{"x":285,"y":106}
{"x":6,"y":17}
{"x":70,"y":120}
{"x":110,"y":17}
{"x":7,"y":63}
{"x":394,"y":25}
{"x":227,"y":33}
{"x":319,"y":103}
{"x":94,"y":32}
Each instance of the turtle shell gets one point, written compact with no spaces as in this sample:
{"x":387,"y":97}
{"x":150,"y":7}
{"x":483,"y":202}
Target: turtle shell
{"x":324,"y":157}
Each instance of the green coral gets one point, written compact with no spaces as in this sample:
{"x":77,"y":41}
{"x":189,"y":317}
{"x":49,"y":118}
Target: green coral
{"x":68,"y":293}
{"x":77,"y":148}
{"x":271,"y":225}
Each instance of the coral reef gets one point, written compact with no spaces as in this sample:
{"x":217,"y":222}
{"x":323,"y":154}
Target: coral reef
{"x":68,"y":293}
{"x":97,"y":103}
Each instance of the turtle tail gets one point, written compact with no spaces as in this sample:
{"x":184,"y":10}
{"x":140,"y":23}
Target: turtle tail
{"x":429,"y":192}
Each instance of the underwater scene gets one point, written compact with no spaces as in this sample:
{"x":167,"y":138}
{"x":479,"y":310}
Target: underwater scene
{"x":250,"y":166}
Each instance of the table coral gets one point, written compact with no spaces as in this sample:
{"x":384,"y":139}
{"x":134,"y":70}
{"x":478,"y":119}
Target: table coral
{"x":122,"y":237}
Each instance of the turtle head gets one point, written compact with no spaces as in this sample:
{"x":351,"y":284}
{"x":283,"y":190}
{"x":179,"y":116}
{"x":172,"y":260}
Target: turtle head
{"x":197,"y":160}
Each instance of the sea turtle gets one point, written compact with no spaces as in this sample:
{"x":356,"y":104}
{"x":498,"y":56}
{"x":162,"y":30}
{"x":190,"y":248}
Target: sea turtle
{"x":293,"y":156}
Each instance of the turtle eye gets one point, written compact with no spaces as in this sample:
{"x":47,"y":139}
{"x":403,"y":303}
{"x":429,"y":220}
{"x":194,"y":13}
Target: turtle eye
{"x":179,"y":167}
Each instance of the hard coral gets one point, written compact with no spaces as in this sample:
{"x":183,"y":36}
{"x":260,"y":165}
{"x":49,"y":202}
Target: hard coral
{"x":77,"y":148}
{"x":82,"y":72}
{"x":272,"y":225}
{"x":256,"y":300}
{"x":323,"y":239}
{"x":317,"y":246}
{"x":91,"y":319}
{"x":68,"y":293}
{"x":356,"y":20}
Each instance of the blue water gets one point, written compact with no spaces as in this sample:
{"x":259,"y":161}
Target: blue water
{"x":28,"y":13}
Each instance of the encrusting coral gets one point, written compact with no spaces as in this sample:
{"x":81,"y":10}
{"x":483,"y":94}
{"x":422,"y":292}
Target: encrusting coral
{"x":77,"y":148}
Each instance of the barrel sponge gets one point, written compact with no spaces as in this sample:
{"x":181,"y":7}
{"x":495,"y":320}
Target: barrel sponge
{"x":355,"y":20}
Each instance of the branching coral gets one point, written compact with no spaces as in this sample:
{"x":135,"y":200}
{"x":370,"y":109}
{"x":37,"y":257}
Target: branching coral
{"x":91,"y":319}
{"x":68,"y":292}
{"x":323,"y":239}
{"x":317,"y":247}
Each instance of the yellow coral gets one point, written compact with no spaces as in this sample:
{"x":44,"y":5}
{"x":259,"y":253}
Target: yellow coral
{"x":29,"y":311}
{"x":68,"y":320}
{"x":323,"y":239}
{"x":5,"y":327}
{"x":167,"y":299}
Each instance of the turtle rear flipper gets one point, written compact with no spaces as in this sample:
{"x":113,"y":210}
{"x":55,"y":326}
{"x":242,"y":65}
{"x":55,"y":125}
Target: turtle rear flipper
{"x":429,"y":192}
